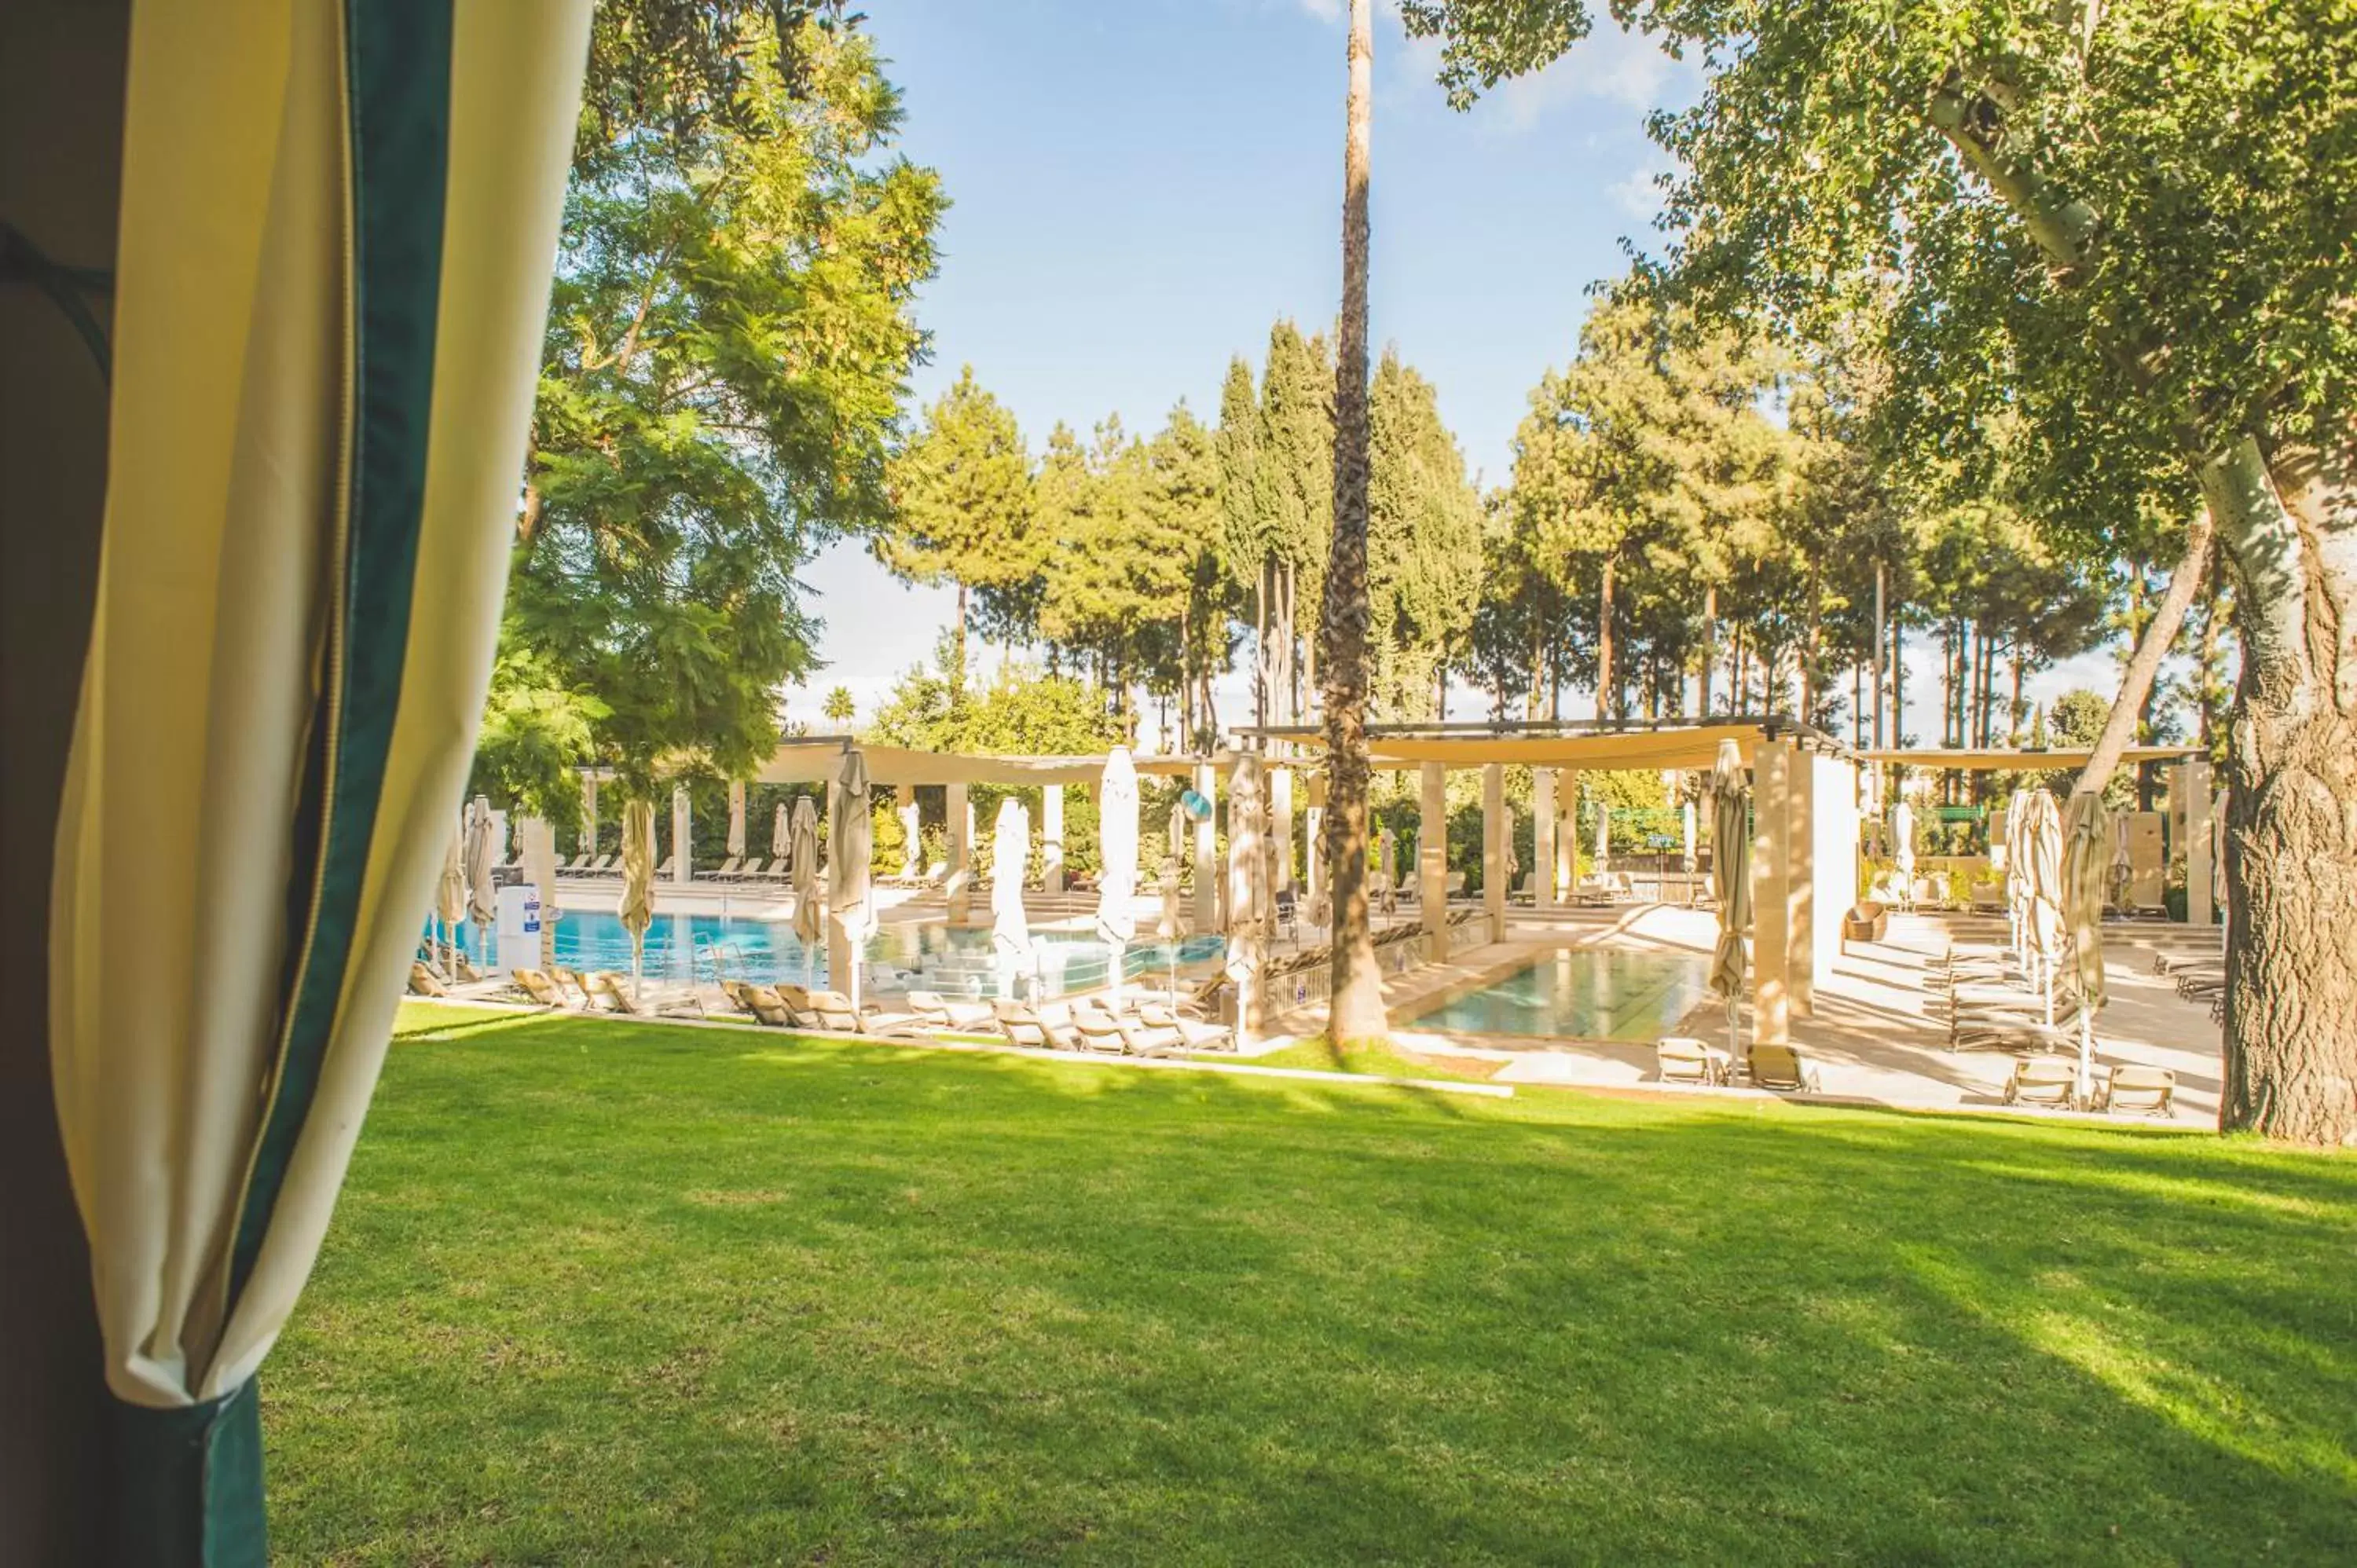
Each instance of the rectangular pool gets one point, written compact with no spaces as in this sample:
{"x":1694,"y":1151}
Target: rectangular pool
{"x":1581,"y":994}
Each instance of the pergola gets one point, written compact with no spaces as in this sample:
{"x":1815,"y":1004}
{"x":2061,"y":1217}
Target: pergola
{"x":2190,"y":792}
{"x":1804,"y":814}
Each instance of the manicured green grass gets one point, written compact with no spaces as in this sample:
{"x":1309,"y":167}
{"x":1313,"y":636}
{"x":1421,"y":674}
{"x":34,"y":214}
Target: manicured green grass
{"x":602,"y":1292}
{"x":1372,"y":1058}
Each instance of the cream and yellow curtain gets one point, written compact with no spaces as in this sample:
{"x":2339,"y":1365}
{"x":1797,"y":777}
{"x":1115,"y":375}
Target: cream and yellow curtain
{"x":337,"y":226}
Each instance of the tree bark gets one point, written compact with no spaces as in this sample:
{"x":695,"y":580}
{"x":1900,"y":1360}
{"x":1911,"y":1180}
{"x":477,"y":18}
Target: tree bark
{"x":2290,"y":527}
{"x":2136,"y":681}
{"x":1356,"y":1011}
{"x":1709,"y":646}
{"x":1604,"y":641}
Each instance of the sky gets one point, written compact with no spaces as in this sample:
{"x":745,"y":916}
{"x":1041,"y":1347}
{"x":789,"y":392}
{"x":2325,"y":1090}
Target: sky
{"x":1140,"y":188}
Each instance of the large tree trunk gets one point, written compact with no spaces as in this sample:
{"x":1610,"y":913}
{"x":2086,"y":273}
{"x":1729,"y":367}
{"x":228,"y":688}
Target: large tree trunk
{"x":1357,"y":1009}
{"x":1709,"y":647}
{"x":2290,"y":528}
{"x":1604,"y":671}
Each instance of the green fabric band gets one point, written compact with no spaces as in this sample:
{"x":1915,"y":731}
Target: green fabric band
{"x":185,"y":1485}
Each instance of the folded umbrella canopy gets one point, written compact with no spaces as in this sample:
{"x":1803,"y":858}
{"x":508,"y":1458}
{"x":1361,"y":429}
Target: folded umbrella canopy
{"x":482,"y":898}
{"x":450,"y":887}
{"x":2086,"y":869}
{"x":337,"y":225}
{"x":850,"y":843}
{"x":778,"y":833}
{"x":736,"y":819}
{"x":2016,"y":878}
{"x":1730,"y":881}
{"x":810,"y":920}
{"x":1117,"y":850}
{"x":1011,"y":923}
{"x":638,"y":906}
{"x":2039,"y":850}
{"x":1902,"y":850}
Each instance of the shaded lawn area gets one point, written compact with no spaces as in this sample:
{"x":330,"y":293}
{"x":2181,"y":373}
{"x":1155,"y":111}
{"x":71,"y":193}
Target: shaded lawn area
{"x":1372,"y":1058}
{"x":609,"y":1293}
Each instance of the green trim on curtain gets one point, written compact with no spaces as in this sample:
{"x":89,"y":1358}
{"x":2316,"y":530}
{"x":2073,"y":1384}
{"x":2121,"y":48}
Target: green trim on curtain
{"x":397,"y":64}
{"x":188,"y":1483}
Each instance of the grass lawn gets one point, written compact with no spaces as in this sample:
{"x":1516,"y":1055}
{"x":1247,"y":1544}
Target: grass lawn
{"x":1372,"y":1058}
{"x":603,"y":1293}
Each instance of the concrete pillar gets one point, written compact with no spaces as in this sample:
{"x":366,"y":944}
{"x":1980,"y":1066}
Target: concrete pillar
{"x":1248,"y":893}
{"x":1566,"y":836}
{"x":682,"y":830}
{"x":1432,"y":860}
{"x":1051,"y":838}
{"x":1771,"y":892}
{"x":959,"y":888}
{"x":1207,"y":851}
{"x":1313,"y":822}
{"x":2200,"y":844}
{"x":1542,"y":825}
{"x":1496,"y":825}
{"x":912,"y":835}
{"x":737,"y":817}
{"x":1280,"y":826}
{"x":1801,"y":875}
{"x":588,"y":813}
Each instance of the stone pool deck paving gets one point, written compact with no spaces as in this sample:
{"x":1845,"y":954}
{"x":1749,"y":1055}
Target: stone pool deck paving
{"x":1874,"y":1037}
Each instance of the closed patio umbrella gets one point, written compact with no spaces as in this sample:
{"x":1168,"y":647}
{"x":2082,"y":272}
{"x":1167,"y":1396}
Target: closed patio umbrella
{"x":1902,"y":850}
{"x":331,"y":230}
{"x":912,"y":839}
{"x":2038,"y":849}
{"x":1173,"y":922}
{"x":482,"y":901}
{"x":2086,"y":866}
{"x":850,"y":843}
{"x":779,"y":839}
{"x":1730,"y":881}
{"x":1387,"y":867}
{"x":638,"y":906}
{"x":1117,"y":848}
{"x":810,"y":920}
{"x":2016,"y":878}
{"x":682,"y":852}
{"x":1011,"y":923}
{"x":450,"y":887}
{"x":736,"y":819}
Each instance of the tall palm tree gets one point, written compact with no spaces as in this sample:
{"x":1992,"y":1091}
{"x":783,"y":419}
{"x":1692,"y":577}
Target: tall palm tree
{"x":1356,"y":1012}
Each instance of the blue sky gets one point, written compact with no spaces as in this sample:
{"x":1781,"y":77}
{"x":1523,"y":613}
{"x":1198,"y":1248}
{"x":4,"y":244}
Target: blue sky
{"x":1141,"y":186}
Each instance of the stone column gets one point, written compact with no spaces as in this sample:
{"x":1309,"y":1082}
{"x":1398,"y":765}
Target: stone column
{"x":959,"y":888}
{"x":1801,"y":877}
{"x":1248,"y":893}
{"x":2200,"y":844}
{"x":1280,"y":826}
{"x":1542,"y":825}
{"x":1495,"y":825}
{"x":588,"y":812}
{"x":737,"y":816}
{"x":1051,"y":838}
{"x":682,"y":833}
{"x":1432,"y":860}
{"x":912,"y":834}
{"x":1772,"y":921}
{"x":1314,"y":830}
{"x":1207,"y":851}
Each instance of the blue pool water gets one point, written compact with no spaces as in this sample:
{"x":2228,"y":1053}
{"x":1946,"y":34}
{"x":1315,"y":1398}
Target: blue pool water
{"x":685,"y":946}
{"x":1581,"y":994}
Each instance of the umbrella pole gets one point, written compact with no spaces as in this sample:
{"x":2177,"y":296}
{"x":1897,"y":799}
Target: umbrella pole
{"x":637,"y":962}
{"x":2087,"y":1055}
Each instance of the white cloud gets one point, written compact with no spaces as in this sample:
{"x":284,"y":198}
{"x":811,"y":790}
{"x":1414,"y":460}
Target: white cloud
{"x":1635,"y":192}
{"x":1324,"y":10}
{"x":1610,"y":65}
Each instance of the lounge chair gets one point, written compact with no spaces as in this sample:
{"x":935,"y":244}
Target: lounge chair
{"x":1683,"y":1059}
{"x":539,"y":987}
{"x":573,"y":867}
{"x":1025,"y":1025}
{"x":424,"y":981}
{"x":1099,"y":1031}
{"x":564,"y":977}
{"x":605,"y":982}
{"x":2043,"y":1080}
{"x":940,"y":1013}
{"x":662,"y":873}
{"x":834,"y":1011}
{"x":1195,"y":1037}
{"x":2149,"y":1090}
{"x":1781,"y":1067}
{"x":759,"y":1003}
{"x":1452,"y":886}
{"x":726,"y":870}
{"x":797,"y":1004}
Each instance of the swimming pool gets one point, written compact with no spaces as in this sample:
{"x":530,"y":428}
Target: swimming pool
{"x":685,"y":946}
{"x":1582,"y":993}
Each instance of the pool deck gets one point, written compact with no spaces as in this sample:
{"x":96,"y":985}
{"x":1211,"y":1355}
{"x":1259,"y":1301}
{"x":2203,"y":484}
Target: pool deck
{"x":1873,"y":1038}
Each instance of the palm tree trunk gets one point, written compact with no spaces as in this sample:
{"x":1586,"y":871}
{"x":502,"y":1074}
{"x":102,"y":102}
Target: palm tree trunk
{"x":1357,"y":1009}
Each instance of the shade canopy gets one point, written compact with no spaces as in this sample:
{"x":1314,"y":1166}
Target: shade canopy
{"x":1011,"y":923}
{"x":636,"y":909}
{"x":737,"y":821}
{"x":818,"y":761}
{"x":2086,"y":873}
{"x":1988,"y":760}
{"x":335,"y":230}
{"x":450,"y":886}
{"x":779,"y":839}
{"x":481,"y":903}
{"x":850,"y":844}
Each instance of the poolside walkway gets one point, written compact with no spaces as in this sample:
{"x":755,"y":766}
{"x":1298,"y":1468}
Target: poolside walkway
{"x":1874,"y":1037}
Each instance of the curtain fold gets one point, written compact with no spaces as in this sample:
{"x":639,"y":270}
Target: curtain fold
{"x":337,"y":226}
